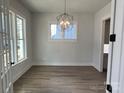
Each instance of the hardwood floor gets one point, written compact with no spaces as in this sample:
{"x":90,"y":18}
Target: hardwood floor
{"x":43,"y":79}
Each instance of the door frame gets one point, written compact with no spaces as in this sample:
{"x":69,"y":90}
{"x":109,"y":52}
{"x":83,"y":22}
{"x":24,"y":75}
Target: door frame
{"x":109,"y":69}
{"x":102,"y":40}
{"x":116,"y":66}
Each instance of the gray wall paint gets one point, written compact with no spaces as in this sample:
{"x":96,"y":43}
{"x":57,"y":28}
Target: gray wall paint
{"x":84,"y":51}
{"x":20,"y":68}
{"x":100,"y":16}
{"x":47,"y":52}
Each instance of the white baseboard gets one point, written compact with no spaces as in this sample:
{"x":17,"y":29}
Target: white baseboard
{"x":96,"y":67}
{"x":21,"y":73}
{"x":62,"y":63}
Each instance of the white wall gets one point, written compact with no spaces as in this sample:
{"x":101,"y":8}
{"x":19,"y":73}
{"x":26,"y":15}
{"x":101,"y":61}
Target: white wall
{"x":62,"y":53}
{"x":100,"y":16}
{"x":20,"y":68}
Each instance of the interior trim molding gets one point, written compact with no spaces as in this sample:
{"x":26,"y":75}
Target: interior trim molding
{"x":62,"y":63}
{"x":21,"y":73}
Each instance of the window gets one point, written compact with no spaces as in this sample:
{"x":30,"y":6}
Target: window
{"x":57,"y":34}
{"x":17,"y":38}
{"x":20,"y":38}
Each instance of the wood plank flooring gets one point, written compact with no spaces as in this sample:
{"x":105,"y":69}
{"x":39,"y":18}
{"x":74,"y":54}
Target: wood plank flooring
{"x":43,"y":79}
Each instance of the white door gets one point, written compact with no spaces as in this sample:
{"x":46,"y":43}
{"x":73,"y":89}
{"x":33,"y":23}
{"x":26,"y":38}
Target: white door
{"x":115,"y":63}
{"x":5,"y":64}
{"x":121,"y":81}
{"x":117,"y":48}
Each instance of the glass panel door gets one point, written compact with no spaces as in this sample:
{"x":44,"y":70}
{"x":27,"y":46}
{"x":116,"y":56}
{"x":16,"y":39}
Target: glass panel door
{"x":5,"y":64}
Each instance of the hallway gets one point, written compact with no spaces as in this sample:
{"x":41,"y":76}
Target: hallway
{"x":43,"y":79}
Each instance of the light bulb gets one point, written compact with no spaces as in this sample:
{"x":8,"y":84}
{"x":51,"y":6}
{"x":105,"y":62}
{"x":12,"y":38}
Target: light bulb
{"x":67,"y":22}
{"x":61,"y":22}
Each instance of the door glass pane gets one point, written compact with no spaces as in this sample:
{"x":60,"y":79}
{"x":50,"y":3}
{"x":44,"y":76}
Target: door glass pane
{"x":1,"y":64}
{"x":12,"y":50}
{"x":5,"y":60}
{"x":7,"y":43}
{"x":4,"y":43}
{"x":0,"y":23}
{"x":3,"y":22}
{"x":0,"y":43}
{"x":8,"y":60}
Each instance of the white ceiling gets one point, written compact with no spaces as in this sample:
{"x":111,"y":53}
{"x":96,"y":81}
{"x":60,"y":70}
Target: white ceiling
{"x":90,"y":6}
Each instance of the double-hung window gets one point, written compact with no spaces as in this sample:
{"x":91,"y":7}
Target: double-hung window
{"x":17,"y":38}
{"x":20,"y":38}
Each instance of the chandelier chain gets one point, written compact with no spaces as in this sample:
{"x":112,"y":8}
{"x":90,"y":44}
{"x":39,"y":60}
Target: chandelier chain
{"x":65,"y":6}
{"x":64,"y":20}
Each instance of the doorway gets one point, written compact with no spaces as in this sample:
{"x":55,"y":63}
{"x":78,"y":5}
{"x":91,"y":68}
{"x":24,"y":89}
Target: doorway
{"x":106,"y":30}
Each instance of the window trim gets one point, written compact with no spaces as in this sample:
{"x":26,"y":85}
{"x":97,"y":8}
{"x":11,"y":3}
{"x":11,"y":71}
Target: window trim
{"x":13,"y":25}
{"x":24,"y":38}
{"x":61,"y":40}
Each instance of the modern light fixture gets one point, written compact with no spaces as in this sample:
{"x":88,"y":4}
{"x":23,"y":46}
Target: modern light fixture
{"x":65,"y":20}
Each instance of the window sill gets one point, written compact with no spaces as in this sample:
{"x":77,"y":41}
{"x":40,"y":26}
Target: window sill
{"x":64,"y":40}
{"x":19,"y":62}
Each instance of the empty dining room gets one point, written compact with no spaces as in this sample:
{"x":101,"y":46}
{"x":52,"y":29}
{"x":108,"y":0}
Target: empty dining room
{"x":61,"y":46}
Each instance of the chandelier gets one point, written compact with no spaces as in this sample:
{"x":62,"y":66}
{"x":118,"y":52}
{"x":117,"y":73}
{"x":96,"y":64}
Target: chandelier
{"x":65,"y":20}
